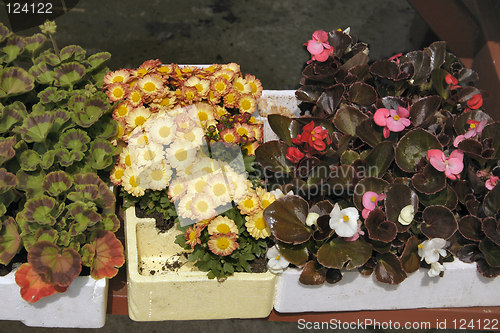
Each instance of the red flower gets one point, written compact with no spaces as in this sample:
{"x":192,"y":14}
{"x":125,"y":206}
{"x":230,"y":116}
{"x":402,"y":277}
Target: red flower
{"x":475,"y":102}
{"x":294,"y":154}
{"x":451,"y":81}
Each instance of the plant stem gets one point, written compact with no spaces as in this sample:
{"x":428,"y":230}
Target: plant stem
{"x":54,"y":45}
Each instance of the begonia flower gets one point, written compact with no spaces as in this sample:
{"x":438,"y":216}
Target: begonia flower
{"x":431,"y":249}
{"x":475,"y":128}
{"x":406,"y":215}
{"x":319,"y":47}
{"x":344,"y":221}
{"x":451,"y":81}
{"x":294,"y":155}
{"x":436,"y":269}
{"x":491,"y":182}
{"x":392,"y":120}
{"x":276,"y":263}
{"x":370,"y":200}
{"x":475,"y":102}
{"x":452,"y":166}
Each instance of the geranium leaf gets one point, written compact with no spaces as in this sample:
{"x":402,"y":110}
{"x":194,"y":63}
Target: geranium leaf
{"x":413,"y":146}
{"x":4,"y":32}
{"x":34,"y":43}
{"x":7,"y":181}
{"x":56,"y":183}
{"x":30,"y":182}
{"x":15,"y":81}
{"x":7,"y":149}
{"x":52,"y":95}
{"x":286,"y":218}
{"x":36,"y":127}
{"x":11,"y":115}
{"x":87,"y":111}
{"x":312,"y":275}
{"x":105,"y":128}
{"x":348,"y":118}
{"x":108,"y":255}
{"x":57,"y":266}
{"x":42,"y":73}
{"x":389,"y":269}
{"x":66,"y":75}
{"x":29,"y":160}
{"x":72,"y":51}
{"x":88,"y":253}
{"x":10,"y":241}
{"x":439,"y":222}
{"x":33,"y":287}
{"x":338,"y":252}
{"x":96,"y":60}
{"x":380,"y":229}
{"x":41,"y":210}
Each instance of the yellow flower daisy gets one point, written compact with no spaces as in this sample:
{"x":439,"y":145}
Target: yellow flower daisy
{"x":192,"y":139}
{"x":251,"y":148}
{"x":250,"y":204}
{"x":183,"y":207}
{"x":220,"y":86}
{"x":219,"y":189}
{"x":135,"y":97}
{"x":220,"y":111}
{"x":237,"y":185}
{"x":234,"y":67}
{"x":156,"y":176}
{"x":177,"y":189}
{"x":231,"y":99}
{"x":204,"y":112}
{"x":117,"y":174}
{"x":165,"y":70}
{"x":151,"y":153}
{"x":197,"y":185}
{"x":247,"y":103}
{"x":150,"y":85}
{"x":226,"y":74}
{"x":257,"y":226}
{"x":138,"y":139}
{"x":190,"y":95}
{"x":222,"y":225}
{"x":212,"y":98}
{"x":241,"y":86}
{"x":192,"y":236}
{"x":222,"y":244}
{"x":119,"y":76}
{"x":131,"y":183}
{"x":121,"y":111}
{"x":116,"y":92}
{"x":126,"y":157}
{"x":137,"y":117}
{"x":255,"y":85}
{"x":265,"y":197}
{"x":201,"y":86}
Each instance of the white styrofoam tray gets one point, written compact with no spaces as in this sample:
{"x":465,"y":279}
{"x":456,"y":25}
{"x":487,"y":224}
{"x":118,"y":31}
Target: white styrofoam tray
{"x":83,"y":305}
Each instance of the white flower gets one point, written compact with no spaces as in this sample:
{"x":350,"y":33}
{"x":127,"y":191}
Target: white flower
{"x":278,"y":193}
{"x":151,"y":153}
{"x":436,"y":269}
{"x":179,"y":157}
{"x":156,"y":176}
{"x":345,"y":221}
{"x":192,"y":139}
{"x":431,"y":249}
{"x":161,"y":130}
{"x":406,"y":215}
{"x":311,"y":219}
{"x":276,"y":263}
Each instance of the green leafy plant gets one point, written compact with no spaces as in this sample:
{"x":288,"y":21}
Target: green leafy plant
{"x":56,"y":131}
{"x":404,"y":142}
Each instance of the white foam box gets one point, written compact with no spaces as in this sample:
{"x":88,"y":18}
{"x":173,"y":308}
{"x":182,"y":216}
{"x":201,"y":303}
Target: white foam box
{"x":461,"y":286}
{"x":185,"y":294}
{"x":83,"y":305}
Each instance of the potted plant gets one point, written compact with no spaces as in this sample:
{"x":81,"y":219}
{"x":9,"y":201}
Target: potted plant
{"x":196,"y":236}
{"x":392,"y":169}
{"x":58,"y":218}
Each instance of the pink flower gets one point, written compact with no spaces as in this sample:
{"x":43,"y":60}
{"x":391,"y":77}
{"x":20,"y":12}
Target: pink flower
{"x":396,"y":57}
{"x":392,"y":120}
{"x":475,"y":128}
{"x":491,"y":182}
{"x":452,"y":166}
{"x":370,"y":200}
{"x":319,"y":47}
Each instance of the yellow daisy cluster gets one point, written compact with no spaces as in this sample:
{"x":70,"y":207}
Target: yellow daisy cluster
{"x":253,"y":205}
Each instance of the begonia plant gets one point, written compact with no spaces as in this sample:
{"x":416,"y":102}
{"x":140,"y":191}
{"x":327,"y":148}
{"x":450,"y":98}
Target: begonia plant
{"x":393,"y":166}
